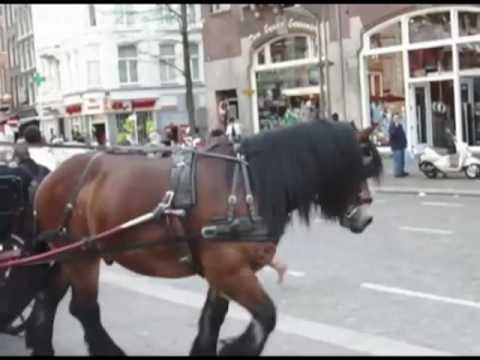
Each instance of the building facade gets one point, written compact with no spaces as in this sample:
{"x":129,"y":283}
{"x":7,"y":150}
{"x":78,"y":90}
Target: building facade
{"x":420,"y":62}
{"x":5,"y":93}
{"x":16,"y":78}
{"x":115,"y":69}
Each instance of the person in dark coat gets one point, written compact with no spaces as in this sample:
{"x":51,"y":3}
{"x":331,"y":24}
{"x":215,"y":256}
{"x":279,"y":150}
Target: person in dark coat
{"x":7,"y":222}
{"x":21,"y":155}
{"x":398,"y":144}
{"x":33,"y":135}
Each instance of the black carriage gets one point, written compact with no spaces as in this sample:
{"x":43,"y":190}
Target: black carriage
{"x":14,"y":228}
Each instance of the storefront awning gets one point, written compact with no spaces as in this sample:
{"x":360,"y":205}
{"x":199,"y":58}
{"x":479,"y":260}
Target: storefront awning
{"x":128,"y":105}
{"x":301,"y":91}
{"x":143,"y":103}
{"x":74,"y":108}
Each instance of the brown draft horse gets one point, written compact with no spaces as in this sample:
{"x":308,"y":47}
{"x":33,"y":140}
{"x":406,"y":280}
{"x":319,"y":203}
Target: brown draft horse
{"x":314,"y":165}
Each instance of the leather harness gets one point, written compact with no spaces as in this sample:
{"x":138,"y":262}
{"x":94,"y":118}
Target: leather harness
{"x":251,"y":227}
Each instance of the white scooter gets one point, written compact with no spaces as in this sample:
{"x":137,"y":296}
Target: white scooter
{"x":431,"y":163}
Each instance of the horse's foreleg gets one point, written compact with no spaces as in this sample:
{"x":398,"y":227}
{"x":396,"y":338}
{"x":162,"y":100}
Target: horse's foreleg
{"x":84,"y":278}
{"x":39,"y":329}
{"x":243,"y":287}
{"x":211,"y":319}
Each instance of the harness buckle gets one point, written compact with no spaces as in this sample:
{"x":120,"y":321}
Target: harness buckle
{"x":164,"y":204}
{"x":351,"y":212}
{"x":232,"y":200}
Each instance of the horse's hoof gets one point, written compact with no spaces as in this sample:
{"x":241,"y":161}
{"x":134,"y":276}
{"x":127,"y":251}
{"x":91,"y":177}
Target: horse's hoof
{"x":230,"y":347}
{"x":228,"y":341}
{"x":43,"y":352}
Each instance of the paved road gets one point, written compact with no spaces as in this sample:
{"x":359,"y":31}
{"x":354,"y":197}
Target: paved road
{"x":410,"y":285}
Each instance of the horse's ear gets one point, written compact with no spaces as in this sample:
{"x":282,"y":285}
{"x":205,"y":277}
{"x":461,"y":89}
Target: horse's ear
{"x":364,"y":134}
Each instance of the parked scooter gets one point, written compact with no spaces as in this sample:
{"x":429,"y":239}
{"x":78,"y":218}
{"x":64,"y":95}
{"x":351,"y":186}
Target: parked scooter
{"x":432,"y":163}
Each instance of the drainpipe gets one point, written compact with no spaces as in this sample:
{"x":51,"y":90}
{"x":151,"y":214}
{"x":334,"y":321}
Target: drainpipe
{"x":327,"y":69}
{"x":342,"y":69}
{"x":321,"y":105}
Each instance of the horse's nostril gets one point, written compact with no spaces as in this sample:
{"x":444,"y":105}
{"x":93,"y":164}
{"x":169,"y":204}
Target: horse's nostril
{"x":366,"y":200}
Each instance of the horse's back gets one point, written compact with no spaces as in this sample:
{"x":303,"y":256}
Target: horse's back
{"x":122,"y":184}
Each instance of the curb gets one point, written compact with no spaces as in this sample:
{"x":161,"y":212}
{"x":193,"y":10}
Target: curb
{"x":420,"y":191}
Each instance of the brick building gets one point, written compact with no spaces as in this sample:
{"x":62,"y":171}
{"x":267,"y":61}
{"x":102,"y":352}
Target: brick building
{"x":421,"y":62}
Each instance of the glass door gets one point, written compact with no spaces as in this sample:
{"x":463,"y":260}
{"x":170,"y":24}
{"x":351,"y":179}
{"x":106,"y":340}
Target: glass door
{"x":468,"y":120}
{"x":421,"y":105}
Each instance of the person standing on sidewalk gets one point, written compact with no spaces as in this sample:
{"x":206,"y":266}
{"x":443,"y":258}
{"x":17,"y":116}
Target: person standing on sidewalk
{"x":398,"y":143}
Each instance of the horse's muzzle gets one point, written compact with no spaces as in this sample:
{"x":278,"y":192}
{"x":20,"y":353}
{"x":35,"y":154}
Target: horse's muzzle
{"x":356,"y":220}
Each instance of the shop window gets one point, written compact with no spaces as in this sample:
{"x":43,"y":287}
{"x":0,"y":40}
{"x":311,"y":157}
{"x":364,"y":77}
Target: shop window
{"x":125,"y":129}
{"x":291,"y":48}
{"x":442,"y":111}
{"x":287,"y":96}
{"x":388,"y":36}
{"x":470,"y":102}
{"x":145,"y":126}
{"x":469,"y":23}
{"x":375,"y":81}
{"x":429,"y":27}
{"x":469,"y":55}
{"x":425,"y":62}
{"x":386,"y":93}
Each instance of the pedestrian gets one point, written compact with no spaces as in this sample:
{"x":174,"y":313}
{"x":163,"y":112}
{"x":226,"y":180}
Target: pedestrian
{"x":33,"y":136}
{"x":223,"y":111}
{"x":233,"y":132}
{"x":280,"y":268}
{"x":100,"y":137}
{"x":398,"y":144}
{"x":171,"y":135}
{"x":37,"y":172}
{"x":9,"y":168}
{"x":335,"y":117}
{"x":42,"y":155}
{"x":215,"y":136}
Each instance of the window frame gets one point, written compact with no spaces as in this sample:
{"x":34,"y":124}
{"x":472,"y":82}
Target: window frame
{"x":165,"y":17}
{"x":268,"y":64}
{"x":406,"y":46}
{"x":196,"y":57}
{"x":128,"y":60}
{"x":168,"y":80}
{"x":124,"y":15}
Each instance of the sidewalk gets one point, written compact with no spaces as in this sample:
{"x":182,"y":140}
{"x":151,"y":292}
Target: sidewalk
{"x":416,"y":183}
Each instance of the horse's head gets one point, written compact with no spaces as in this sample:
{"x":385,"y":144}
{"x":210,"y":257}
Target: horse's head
{"x":356,"y":218}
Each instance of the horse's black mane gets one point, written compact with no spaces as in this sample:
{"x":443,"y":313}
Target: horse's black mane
{"x":314,"y":164}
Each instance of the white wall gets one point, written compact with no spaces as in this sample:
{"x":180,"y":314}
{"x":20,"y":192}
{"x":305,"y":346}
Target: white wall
{"x":64,"y":30}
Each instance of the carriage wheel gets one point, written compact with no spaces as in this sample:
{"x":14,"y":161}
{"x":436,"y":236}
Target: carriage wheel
{"x":19,"y":323}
